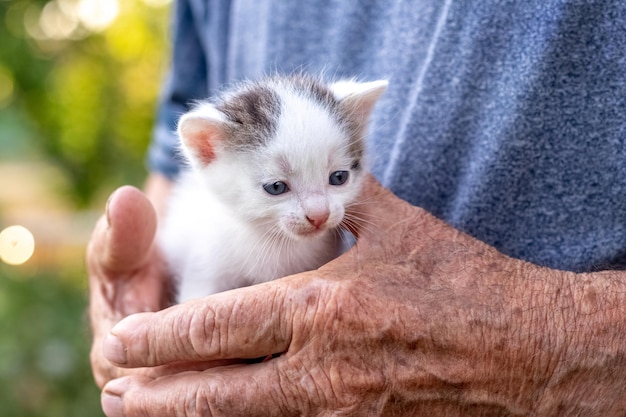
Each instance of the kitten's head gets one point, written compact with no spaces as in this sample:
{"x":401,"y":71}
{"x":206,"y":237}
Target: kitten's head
{"x":287,"y":153}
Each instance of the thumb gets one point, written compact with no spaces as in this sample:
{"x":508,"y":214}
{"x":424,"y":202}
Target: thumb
{"x":123,"y":238}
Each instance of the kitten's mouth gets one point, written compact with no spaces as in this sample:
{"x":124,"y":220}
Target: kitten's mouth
{"x":308,"y":231}
{"x":312,"y":232}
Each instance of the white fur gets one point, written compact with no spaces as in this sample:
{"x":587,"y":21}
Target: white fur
{"x":224,"y":231}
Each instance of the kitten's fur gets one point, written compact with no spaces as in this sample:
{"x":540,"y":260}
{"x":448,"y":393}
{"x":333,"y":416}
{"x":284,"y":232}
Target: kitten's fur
{"x":292,"y":136}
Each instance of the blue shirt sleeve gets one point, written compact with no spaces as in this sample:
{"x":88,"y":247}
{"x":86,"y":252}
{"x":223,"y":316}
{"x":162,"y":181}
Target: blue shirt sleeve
{"x":186,"y":82}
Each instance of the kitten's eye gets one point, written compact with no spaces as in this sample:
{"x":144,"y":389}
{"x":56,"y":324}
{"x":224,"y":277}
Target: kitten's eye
{"x":276,"y":188}
{"x":338,"y":177}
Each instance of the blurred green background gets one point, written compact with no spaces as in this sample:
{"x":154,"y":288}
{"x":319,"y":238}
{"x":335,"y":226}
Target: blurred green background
{"x":78,"y":85}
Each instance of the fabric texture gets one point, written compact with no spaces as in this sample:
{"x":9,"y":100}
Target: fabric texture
{"x":505,"y":118}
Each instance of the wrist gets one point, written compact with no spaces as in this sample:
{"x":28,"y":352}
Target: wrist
{"x":591,"y":310}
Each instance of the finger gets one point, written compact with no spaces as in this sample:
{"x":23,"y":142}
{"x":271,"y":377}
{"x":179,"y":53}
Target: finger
{"x":250,"y":390}
{"x":249,"y":322}
{"x":123,"y":238}
{"x":125,"y":275}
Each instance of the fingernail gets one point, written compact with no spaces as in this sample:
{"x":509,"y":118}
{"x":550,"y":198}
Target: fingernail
{"x":112,"y":405}
{"x":114,"y":350}
{"x":111,"y":399}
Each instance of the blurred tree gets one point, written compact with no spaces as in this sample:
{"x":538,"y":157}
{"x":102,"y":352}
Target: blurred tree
{"x":79,"y":79}
{"x":78,"y":85}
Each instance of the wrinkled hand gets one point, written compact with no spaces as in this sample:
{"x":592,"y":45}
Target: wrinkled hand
{"x":126,"y":274}
{"x":417,"y":319}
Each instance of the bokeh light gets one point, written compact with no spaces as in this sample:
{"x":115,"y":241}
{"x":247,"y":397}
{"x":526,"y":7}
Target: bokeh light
{"x":97,"y":15}
{"x":17,"y":245}
{"x":57,"y":21}
{"x":70,"y":19}
{"x":157,"y":3}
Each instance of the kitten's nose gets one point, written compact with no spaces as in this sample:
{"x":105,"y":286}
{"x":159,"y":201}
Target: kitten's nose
{"x":317,"y":219}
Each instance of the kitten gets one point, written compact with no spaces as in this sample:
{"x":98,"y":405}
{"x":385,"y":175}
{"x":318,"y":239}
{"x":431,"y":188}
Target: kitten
{"x":274,"y":165}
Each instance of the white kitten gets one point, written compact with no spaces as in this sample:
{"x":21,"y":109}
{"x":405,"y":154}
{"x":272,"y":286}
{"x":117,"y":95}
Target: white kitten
{"x":274,"y":165}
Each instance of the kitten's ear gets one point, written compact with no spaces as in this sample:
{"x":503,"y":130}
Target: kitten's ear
{"x":200,"y":131}
{"x":358,"y":99}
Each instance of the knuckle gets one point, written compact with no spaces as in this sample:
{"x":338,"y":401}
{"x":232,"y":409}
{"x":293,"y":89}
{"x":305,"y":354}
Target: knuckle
{"x":333,"y":308}
{"x":349,"y":383}
{"x":197,"y":332}
{"x":353,"y":382}
{"x":345,"y":386}
{"x":201,"y":402}
{"x":294,"y":389}
{"x":218,"y":396}
{"x":163,"y":396}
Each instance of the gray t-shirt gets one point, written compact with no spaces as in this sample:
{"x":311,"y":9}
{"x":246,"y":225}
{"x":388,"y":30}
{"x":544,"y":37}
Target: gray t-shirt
{"x":507,"y":119}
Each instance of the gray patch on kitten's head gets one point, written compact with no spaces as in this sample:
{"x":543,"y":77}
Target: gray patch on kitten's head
{"x":318,"y":91}
{"x":312,"y":88}
{"x":255,"y":107}
{"x":254,"y":114}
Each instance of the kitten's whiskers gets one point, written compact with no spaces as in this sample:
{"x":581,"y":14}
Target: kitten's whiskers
{"x":359,"y":218}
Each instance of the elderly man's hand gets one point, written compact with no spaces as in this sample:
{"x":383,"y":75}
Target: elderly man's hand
{"x":126,"y":274}
{"x":417,"y":319}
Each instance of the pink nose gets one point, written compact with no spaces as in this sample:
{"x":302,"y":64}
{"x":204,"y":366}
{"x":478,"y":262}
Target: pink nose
{"x":317,"y":219}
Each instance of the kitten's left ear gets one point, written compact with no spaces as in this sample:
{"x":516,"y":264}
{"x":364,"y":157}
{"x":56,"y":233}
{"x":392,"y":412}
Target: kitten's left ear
{"x":200,"y":132}
{"x":358,"y":99}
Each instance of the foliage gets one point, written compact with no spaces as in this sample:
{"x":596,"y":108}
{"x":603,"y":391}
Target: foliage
{"x":44,"y":352}
{"x":83,"y":90}
{"x":78,"y":85}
